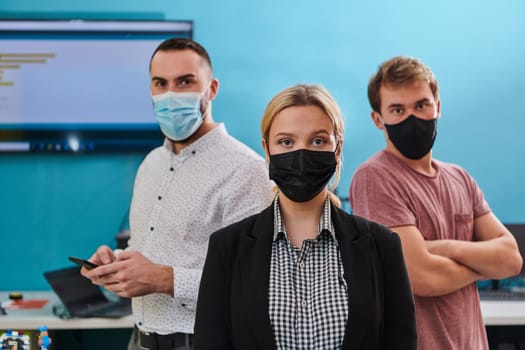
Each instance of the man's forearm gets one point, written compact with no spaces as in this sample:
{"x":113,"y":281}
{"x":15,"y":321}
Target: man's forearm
{"x":165,"y":280}
{"x":488,"y":258}
{"x":442,"y":276}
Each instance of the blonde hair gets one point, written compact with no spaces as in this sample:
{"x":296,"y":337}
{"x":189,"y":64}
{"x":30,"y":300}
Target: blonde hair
{"x":308,"y":95}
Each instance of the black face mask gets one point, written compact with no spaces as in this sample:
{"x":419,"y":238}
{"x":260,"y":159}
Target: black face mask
{"x":413,"y":137}
{"x":302,"y":174}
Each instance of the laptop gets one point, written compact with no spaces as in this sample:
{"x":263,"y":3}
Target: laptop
{"x":81,"y":298}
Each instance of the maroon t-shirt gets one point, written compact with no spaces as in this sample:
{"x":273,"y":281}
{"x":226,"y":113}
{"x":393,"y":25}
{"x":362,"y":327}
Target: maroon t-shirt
{"x":386,"y":190}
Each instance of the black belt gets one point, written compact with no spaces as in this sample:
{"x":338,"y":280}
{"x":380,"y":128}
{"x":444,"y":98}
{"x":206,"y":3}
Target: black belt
{"x":154,"y":341}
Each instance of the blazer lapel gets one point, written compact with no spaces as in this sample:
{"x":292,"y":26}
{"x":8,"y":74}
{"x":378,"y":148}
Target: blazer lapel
{"x":255,"y":275}
{"x":355,"y":254}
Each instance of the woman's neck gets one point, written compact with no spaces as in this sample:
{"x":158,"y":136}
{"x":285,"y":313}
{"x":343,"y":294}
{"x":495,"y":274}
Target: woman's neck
{"x":302,"y":219}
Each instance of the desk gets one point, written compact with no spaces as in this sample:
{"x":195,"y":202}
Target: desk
{"x":503,"y":313}
{"x":34,"y":318}
{"x":495,"y":313}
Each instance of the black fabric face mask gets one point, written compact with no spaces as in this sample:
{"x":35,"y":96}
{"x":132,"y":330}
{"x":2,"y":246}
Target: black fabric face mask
{"x":302,"y":174}
{"x":413,"y":137}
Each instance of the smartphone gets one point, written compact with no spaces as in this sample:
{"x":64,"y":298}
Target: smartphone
{"x":83,"y":262}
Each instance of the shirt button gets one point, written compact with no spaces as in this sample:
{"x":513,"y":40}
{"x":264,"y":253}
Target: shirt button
{"x":171,"y":169}
{"x":301,"y":264}
{"x":151,"y":228}
{"x":303,"y":303}
{"x":159,"y":197}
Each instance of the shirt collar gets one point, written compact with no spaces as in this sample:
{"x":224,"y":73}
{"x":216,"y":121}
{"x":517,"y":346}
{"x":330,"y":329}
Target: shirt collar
{"x":325,"y":224}
{"x":206,"y":141}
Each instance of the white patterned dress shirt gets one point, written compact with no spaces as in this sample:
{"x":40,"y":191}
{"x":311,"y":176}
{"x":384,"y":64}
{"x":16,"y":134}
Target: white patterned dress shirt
{"x":179,"y":200}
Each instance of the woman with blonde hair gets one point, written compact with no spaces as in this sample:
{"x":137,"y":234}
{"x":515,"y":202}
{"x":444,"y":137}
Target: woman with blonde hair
{"x":303,"y":274}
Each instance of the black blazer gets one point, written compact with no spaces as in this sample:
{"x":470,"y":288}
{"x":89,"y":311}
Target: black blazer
{"x":232,"y":308}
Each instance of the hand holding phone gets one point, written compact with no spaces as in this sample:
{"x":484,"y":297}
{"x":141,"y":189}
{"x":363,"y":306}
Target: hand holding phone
{"x":83,"y":262}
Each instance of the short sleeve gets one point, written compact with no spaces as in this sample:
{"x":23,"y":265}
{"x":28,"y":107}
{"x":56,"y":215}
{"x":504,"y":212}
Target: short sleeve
{"x":375,"y":196}
{"x":479,"y":204}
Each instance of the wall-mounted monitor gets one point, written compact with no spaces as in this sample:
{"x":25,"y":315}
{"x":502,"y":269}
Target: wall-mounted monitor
{"x":79,"y":85}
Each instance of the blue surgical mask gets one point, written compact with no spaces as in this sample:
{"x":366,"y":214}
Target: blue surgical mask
{"x":178,"y":113}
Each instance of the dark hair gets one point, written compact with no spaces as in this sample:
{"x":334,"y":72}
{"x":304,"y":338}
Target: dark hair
{"x":177,"y":44}
{"x":399,"y":71}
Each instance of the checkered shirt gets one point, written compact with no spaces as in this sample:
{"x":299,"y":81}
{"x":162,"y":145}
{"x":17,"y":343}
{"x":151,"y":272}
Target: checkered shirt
{"x":308,"y":296}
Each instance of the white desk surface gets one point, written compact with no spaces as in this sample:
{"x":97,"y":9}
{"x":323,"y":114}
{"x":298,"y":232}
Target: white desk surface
{"x":494,"y":313}
{"x":503,"y":313}
{"x":34,"y":318}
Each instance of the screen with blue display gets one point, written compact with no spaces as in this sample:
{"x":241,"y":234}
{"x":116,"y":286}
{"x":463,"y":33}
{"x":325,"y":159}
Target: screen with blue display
{"x":79,"y":85}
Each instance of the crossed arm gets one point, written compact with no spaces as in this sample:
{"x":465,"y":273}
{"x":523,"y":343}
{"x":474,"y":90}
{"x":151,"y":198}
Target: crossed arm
{"x":444,"y":266}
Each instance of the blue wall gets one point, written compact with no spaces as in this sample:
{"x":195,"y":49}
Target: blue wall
{"x":52,"y":206}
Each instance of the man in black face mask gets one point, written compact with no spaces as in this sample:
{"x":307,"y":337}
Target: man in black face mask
{"x":450,"y":237}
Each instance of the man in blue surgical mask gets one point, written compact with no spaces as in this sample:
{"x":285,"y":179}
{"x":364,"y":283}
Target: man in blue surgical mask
{"x":199,"y":181}
{"x":450,"y":237}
